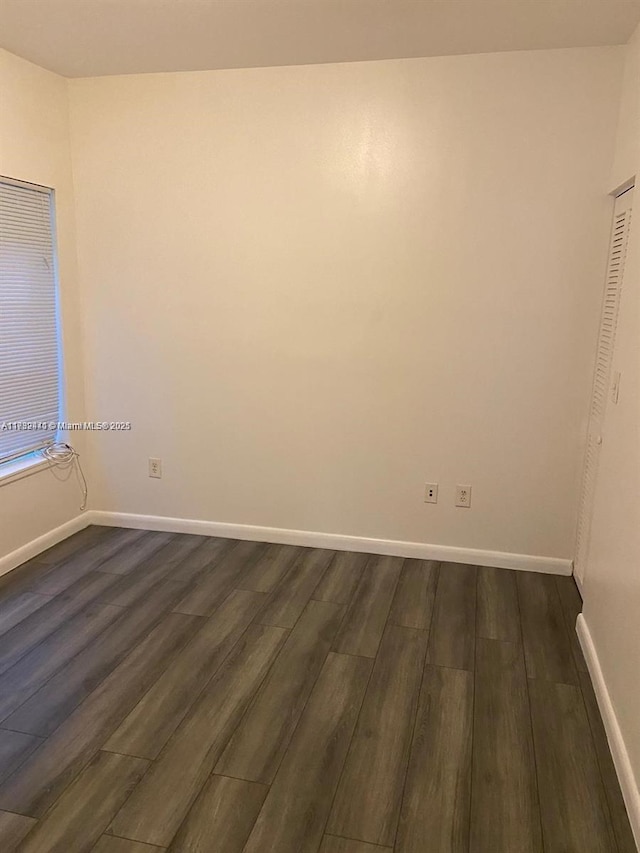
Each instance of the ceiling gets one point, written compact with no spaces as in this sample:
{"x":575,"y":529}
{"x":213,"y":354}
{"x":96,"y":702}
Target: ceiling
{"x":82,"y":38}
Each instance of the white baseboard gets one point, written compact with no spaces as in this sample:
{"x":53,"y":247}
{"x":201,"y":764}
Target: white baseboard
{"x":614,"y":735}
{"x":338,"y":542}
{"x":308,"y":538}
{"x":37,"y":546}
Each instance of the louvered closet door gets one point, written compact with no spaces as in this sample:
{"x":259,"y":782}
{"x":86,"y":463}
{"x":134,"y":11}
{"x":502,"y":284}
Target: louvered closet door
{"x":602,"y":373}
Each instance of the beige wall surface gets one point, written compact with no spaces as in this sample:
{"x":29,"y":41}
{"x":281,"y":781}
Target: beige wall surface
{"x":627,"y":150}
{"x":314,"y":289}
{"x":612,"y":581}
{"x":34,"y":146}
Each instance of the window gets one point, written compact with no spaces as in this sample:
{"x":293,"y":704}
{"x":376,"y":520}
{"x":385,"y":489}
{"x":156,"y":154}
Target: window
{"x":29,"y":346}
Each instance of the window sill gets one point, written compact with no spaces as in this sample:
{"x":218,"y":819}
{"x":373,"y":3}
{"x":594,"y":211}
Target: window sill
{"x":22,"y":467}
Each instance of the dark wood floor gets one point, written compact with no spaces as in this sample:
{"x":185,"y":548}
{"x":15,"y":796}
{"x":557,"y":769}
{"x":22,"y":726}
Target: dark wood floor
{"x":194,"y":694}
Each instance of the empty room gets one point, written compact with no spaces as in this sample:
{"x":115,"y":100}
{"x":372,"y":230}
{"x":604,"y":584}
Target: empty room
{"x":319,"y":426}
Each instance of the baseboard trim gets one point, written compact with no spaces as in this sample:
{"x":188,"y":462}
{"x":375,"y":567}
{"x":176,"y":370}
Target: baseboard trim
{"x":619,"y":752}
{"x":37,"y":546}
{"x":336,"y":541}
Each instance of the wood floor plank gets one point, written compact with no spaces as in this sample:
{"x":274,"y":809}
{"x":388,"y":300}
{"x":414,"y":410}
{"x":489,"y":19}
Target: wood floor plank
{"x":505,"y":813}
{"x":498,"y":613}
{"x":214,"y":586}
{"x":367,"y":803}
{"x":22,"y":578}
{"x":111,"y":844}
{"x":415,"y":595}
{"x":575,"y":813}
{"x":333,"y":844}
{"x":221,"y":818}
{"x":571,"y":607}
{"x":50,"y":768}
{"x":28,"y":633}
{"x":13,"y":828}
{"x":67,"y":572}
{"x":291,"y":596}
{"x":52,"y":703}
{"x":293,"y":816}
{"x":569,"y":595}
{"x":341,"y":578}
{"x":14,"y":749}
{"x":218,"y":695}
{"x":617,"y":809}
{"x":15,"y":608}
{"x":452,"y":636}
{"x":154,"y":719}
{"x":158,"y":806}
{"x":33,"y":670}
{"x":76,"y":821}
{"x":546,"y":642}
{"x":80,"y":541}
{"x":364,"y":621}
{"x":127,"y":559}
{"x":435,"y":809}
{"x":258,"y":744}
{"x":271,"y":565}
{"x":182,"y":558}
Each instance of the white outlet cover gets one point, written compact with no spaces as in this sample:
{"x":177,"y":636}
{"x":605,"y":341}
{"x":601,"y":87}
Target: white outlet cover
{"x":431,"y":493}
{"x":463,"y":496}
{"x":155,"y":468}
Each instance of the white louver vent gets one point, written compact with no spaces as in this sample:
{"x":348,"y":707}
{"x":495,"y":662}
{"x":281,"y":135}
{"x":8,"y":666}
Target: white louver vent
{"x":602,"y":372}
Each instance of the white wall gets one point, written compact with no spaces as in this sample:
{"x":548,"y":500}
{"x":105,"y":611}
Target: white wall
{"x":612,"y":583}
{"x":313,"y":289}
{"x":627,"y":149}
{"x":34,"y":146}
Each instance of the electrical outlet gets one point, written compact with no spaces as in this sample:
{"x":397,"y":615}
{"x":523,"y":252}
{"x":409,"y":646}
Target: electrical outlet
{"x":431,"y":493}
{"x":155,"y":468}
{"x":463,"y":495}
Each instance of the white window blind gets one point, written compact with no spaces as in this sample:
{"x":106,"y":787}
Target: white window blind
{"x":29,"y":357}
